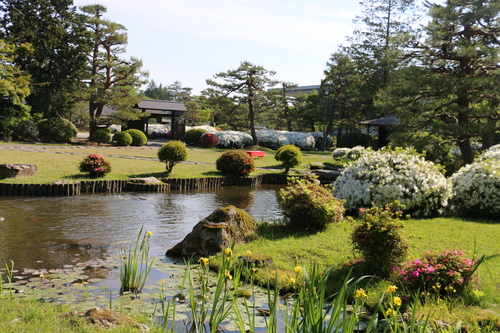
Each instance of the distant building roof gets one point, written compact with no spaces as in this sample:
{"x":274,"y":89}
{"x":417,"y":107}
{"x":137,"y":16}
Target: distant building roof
{"x":384,"y":121}
{"x":302,"y":90}
{"x":152,"y":105}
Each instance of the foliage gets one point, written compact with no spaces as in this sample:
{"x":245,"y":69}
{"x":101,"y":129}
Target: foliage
{"x":158,"y":131}
{"x":378,"y":236}
{"x":309,"y":206}
{"x":101,"y":136}
{"x":443,"y":274}
{"x":344,"y":156}
{"x":233,"y":139}
{"x":384,"y":176}
{"x":138,"y":137}
{"x":27,"y":130}
{"x":56,"y":130}
{"x":318,"y":138}
{"x":433,"y":147}
{"x":136,"y":264}
{"x":122,"y":138}
{"x":290,"y":156}
{"x":276,"y":139}
{"x":172,"y":153}
{"x":170,"y":92}
{"x":59,"y":52}
{"x":475,"y":189}
{"x":235,"y":162}
{"x":208,"y":140}
{"x":492,"y":152}
{"x":353,"y":139}
{"x":246,"y":86}
{"x":193,"y":135}
{"x":113,"y":79}
{"x":95,"y":166}
{"x":14,"y":88}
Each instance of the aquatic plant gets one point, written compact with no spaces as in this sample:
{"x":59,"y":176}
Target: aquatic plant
{"x":136,"y":264}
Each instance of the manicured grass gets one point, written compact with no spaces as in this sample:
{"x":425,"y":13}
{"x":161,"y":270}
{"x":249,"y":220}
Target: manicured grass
{"x":57,"y":163}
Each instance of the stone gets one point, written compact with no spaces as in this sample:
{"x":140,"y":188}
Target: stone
{"x":147,"y":180}
{"x":216,"y":232}
{"x":107,"y":318}
{"x":17,"y":170}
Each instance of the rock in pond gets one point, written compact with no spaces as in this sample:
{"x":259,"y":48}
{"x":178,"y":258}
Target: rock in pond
{"x":17,"y":170}
{"x":216,"y":232}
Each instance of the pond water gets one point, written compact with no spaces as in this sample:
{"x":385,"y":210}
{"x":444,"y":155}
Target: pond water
{"x":50,"y":232}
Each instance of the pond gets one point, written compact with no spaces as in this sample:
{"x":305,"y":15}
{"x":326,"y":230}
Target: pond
{"x":50,"y":232}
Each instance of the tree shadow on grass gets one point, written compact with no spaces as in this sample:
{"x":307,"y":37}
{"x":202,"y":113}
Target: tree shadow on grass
{"x":277,"y":231}
{"x":158,"y":175}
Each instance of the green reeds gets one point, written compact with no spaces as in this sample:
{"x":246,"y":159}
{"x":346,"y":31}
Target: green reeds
{"x":136,"y":264}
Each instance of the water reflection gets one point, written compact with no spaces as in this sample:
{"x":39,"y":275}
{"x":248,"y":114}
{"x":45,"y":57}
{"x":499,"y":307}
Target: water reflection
{"x":50,"y":232}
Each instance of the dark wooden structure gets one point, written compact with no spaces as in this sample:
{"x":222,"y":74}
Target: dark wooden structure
{"x":163,"y":112}
{"x":382,"y":124}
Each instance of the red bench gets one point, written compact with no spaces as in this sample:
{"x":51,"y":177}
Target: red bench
{"x":256,"y":153}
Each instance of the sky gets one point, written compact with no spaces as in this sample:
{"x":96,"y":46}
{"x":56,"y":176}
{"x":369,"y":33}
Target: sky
{"x":191,"y":40}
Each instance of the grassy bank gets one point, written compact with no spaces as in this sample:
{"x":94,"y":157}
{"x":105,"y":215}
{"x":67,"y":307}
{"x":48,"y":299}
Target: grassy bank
{"x":57,"y":163}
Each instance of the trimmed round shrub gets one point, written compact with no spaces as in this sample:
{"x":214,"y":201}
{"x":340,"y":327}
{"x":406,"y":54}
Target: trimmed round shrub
{"x":353,"y":139}
{"x":476,"y":189}
{"x":193,"y":135}
{"x":95,"y":166}
{"x":235,"y":162}
{"x":27,"y":130}
{"x":310,"y":206}
{"x":101,"y":136}
{"x":378,"y":236}
{"x":385,"y":176}
{"x":289,"y":156}
{"x":233,"y":139}
{"x":56,"y":130}
{"x":208,"y":140}
{"x":138,"y":137}
{"x":171,"y":153}
{"x":122,"y":138}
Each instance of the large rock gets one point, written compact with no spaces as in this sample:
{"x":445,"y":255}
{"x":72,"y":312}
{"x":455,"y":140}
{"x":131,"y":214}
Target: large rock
{"x":17,"y":170}
{"x":216,"y":232}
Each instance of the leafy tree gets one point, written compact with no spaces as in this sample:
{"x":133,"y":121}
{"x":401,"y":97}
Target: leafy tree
{"x":57,"y":63}
{"x":113,"y":79}
{"x":453,"y":92}
{"x":380,"y":45}
{"x":243,"y":86}
{"x":197,"y":114}
{"x":14,"y":88}
{"x":171,"y":92}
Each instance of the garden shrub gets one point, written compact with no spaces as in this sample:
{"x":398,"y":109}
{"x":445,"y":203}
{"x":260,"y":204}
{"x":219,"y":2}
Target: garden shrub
{"x":171,"y":153}
{"x":353,"y":139}
{"x":309,"y":206}
{"x":208,"y":140}
{"x":235,"y":162}
{"x":290,"y":156}
{"x":138,"y":137}
{"x":122,"y":138}
{"x":378,"y":236}
{"x":492,"y":152}
{"x":442,"y":274}
{"x":318,"y":138}
{"x":476,"y":189}
{"x":158,"y":131}
{"x":233,"y":139}
{"x":27,"y":130}
{"x":101,"y":136}
{"x":95,"y":166}
{"x":384,"y":176}
{"x":345,"y":156}
{"x":56,"y":130}
{"x":193,"y":135}
{"x":276,"y":139}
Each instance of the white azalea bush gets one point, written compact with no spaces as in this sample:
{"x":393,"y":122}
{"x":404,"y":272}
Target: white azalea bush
{"x":492,"y":152}
{"x":384,"y":176}
{"x":233,"y":139}
{"x":476,"y":188}
{"x":344,"y":156}
{"x":318,"y":138}
{"x":277,"y":139}
{"x":207,"y":128}
{"x":158,"y":131}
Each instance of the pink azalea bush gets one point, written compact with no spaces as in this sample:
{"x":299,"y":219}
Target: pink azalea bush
{"x":445,"y":273}
{"x":95,"y":166}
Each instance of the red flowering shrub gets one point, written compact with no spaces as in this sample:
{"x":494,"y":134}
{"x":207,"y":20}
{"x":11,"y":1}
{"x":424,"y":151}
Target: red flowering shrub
{"x":445,"y":273}
{"x":378,"y":236}
{"x":235,"y":162}
{"x":208,"y":140}
{"x":310,"y":206}
{"x":95,"y":166}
